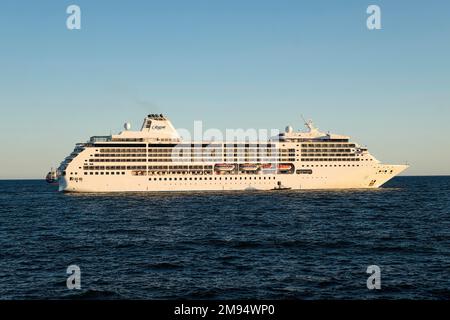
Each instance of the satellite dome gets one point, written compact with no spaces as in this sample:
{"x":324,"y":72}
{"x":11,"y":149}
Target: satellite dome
{"x":289,"y":129}
{"x":127,"y":126}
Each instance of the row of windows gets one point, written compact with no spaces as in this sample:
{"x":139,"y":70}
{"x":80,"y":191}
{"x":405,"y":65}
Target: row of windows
{"x":119,"y":145}
{"x":158,"y":147}
{"x":328,"y":155}
{"x":179,"y":167}
{"x":385,"y":171}
{"x":331,"y":165}
{"x":330,"y":159}
{"x":159,"y":168}
{"x":326,"y":150}
{"x":192,"y":172}
{"x":144,"y":172}
{"x":128,"y":139}
{"x":211,"y":178}
{"x":114,"y":167}
{"x":120,"y":155}
{"x":266,"y":159}
{"x":177,"y":153}
{"x":241,"y":160}
{"x":112,"y":173}
{"x":315,"y":140}
{"x":152,"y":168}
{"x":327,"y":145}
{"x":107,"y":173}
{"x":119,"y":160}
{"x":181,"y":155}
{"x":191,"y":156}
{"x":219,"y":148}
{"x":304,"y":171}
{"x":216,"y":145}
{"x":121,"y":150}
{"x":178,"y":149}
{"x":196,"y":150}
{"x":218,"y":151}
{"x":206,"y":172}
{"x":227,"y":160}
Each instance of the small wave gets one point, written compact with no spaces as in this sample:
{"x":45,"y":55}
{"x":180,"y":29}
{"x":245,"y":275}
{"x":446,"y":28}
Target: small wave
{"x":93,"y":294}
{"x":235,"y":243}
{"x":165,"y":266}
{"x":203,"y":294}
{"x":292,"y":243}
{"x":246,"y":244}
{"x":397,"y":249}
{"x":441,"y":293}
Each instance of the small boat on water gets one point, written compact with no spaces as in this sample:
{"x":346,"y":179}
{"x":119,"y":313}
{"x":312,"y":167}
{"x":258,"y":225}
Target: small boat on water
{"x":52,"y":176}
{"x":280,"y":187}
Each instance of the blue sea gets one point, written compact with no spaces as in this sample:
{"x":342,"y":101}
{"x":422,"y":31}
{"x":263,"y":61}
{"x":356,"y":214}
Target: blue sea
{"x":234,"y":245}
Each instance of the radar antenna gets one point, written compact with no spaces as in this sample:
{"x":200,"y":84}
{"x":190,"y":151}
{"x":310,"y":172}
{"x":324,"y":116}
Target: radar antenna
{"x":309,"y":124}
{"x":304,"y":119}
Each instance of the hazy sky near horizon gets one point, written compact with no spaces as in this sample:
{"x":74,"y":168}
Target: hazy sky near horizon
{"x":231,"y":64}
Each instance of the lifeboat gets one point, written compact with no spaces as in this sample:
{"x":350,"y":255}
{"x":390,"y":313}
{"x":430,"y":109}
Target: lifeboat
{"x":284,"y":167}
{"x":224,"y":167}
{"x":267,"y":166}
{"x":249,"y":167}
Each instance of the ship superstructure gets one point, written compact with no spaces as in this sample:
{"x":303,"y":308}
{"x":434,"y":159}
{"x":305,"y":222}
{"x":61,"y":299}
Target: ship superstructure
{"x":157,"y":159}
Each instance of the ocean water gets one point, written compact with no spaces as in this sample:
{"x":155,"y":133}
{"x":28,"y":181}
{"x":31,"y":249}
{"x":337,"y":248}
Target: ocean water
{"x":236,"y":245}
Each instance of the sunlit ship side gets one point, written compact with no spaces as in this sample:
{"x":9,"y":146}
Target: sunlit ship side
{"x":156,"y":159}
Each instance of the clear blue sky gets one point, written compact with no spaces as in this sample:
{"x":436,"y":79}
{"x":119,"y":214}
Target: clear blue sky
{"x":232,"y":64}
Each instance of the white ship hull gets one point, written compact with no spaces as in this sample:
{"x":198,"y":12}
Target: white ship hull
{"x":324,"y":178}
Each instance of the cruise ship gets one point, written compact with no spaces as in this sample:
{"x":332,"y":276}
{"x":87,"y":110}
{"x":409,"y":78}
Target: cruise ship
{"x":156,"y":158}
